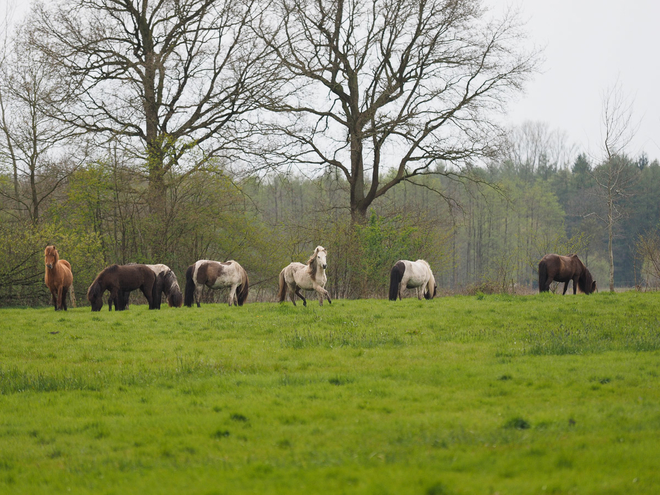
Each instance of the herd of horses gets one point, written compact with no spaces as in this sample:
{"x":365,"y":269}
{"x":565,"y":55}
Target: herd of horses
{"x":156,"y":281}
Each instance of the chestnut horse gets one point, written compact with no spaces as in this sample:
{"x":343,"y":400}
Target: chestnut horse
{"x":311,"y":276}
{"x":119,"y":279}
{"x":564,"y":269}
{"x":58,"y":278}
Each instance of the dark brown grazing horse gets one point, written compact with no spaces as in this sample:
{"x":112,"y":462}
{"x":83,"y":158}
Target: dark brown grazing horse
{"x":564,"y":269}
{"x":119,"y":279}
{"x":166,"y":283}
{"x":58,"y":277}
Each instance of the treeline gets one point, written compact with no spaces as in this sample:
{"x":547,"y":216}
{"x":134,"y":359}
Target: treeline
{"x":174,"y":131}
{"x":482,"y":233}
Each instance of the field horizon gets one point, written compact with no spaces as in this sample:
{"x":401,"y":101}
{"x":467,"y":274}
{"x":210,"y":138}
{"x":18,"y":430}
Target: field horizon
{"x":464,"y":394}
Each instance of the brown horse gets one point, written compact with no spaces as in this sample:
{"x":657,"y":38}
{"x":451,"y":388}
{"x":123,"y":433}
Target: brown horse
{"x":564,"y":269}
{"x":119,"y":279}
{"x":58,"y":277}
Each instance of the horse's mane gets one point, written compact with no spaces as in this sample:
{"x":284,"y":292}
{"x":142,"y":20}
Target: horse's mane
{"x":52,"y":250}
{"x":174,"y":296}
{"x":312,"y":263}
{"x":585,"y":281}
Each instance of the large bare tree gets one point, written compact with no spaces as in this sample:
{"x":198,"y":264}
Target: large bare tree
{"x":169,"y":79}
{"x":381,"y":90}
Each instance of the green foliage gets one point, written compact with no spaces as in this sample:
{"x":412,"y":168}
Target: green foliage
{"x":22,"y":262}
{"x":382,"y":242}
{"x":441,"y":396}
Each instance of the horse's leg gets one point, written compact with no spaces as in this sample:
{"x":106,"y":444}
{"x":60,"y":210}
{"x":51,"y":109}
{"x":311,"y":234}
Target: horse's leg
{"x":575,"y":284}
{"x":198,"y":293}
{"x":64,"y":291}
{"x":297,"y":291}
{"x":114,"y":298}
{"x":53,"y":294}
{"x":232,"y":296}
{"x":565,"y":287}
{"x":323,"y":293}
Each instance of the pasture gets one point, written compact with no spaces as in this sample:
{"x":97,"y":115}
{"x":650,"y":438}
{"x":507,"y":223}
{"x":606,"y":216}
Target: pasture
{"x":459,"y":395}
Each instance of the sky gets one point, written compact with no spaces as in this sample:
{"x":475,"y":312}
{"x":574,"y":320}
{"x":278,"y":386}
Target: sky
{"x":589,"y":47}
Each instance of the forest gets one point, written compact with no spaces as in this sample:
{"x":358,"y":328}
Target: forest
{"x":181,"y":130}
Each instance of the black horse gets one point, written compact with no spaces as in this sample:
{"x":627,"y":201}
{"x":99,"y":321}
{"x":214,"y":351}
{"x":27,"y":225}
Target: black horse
{"x":564,"y":269}
{"x":119,"y":279}
{"x":166,"y":283}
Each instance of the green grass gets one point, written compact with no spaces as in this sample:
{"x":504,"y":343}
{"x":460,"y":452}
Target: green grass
{"x":484,"y":394}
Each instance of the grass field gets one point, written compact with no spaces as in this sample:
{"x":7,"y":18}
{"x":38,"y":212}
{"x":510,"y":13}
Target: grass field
{"x":458,"y":395}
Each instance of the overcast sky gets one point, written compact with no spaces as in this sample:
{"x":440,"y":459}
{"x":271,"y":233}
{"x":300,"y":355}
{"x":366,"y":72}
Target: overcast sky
{"x":589,"y":46}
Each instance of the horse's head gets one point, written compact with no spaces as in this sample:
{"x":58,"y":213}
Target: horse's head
{"x":51,"y":256}
{"x":321,"y":257}
{"x":174,"y":296}
{"x":95,"y":296}
{"x":318,"y":258}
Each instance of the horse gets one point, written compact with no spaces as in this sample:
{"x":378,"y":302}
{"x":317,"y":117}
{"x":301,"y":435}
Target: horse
{"x":310,"y":276}
{"x":119,"y":279}
{"x":564,"y":269}
{"x":58,"y":278}
{"x":216,"y":275}
{"x":412,"y":275}
{"x":166,"y":283}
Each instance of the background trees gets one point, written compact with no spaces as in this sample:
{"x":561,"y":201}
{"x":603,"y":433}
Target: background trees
{"x":375,"y":86}
{"x":185,"y":129}
{"x":167,"y":81}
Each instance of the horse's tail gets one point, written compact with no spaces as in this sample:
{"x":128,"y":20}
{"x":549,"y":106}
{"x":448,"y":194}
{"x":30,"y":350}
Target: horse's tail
{"x":190,"y":287}
{"x":396,"y":274}
{"x":281,"y":294}
{"x":543,"y":276}
{"x":243,"y":289}
{"x":431,"y":290}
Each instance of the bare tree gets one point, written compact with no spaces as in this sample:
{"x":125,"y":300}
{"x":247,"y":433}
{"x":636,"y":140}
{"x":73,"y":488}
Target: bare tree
{"x":171,"y":80}
{"x":615,"y":176}
{"x":533,"y":146}
{"x":37,"y":146}
{"x":379,"y":85}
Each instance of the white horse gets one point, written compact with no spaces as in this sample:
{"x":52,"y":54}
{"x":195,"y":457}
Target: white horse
{"x":311,"y":276}
{"x":412,"y":275}
{"x":216,"y":275}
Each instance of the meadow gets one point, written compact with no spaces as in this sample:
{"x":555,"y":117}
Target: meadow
{"x":477,"y":394}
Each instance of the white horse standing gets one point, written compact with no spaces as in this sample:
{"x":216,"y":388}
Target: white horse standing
{"x":412,"y":275}
{"x":216,"y":275}
{"x":311,"y":276}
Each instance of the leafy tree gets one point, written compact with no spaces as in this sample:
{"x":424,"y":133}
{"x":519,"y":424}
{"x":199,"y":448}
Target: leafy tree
{"x":170,"y":81}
